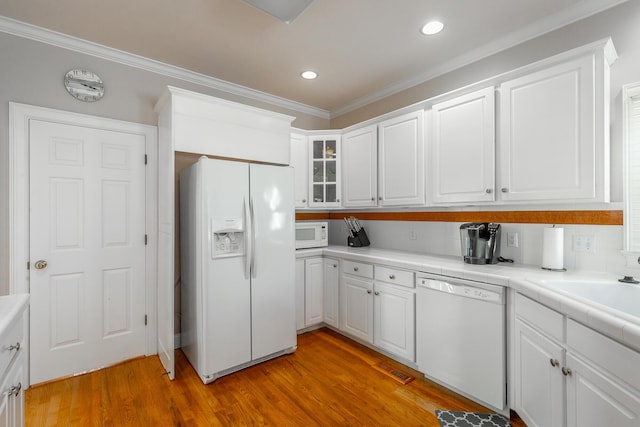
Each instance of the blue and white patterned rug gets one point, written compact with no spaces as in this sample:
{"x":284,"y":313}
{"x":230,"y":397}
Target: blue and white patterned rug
{"x":470,"y":419}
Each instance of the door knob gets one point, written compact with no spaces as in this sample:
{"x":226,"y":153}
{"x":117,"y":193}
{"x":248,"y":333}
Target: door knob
{"x":41,"y":264}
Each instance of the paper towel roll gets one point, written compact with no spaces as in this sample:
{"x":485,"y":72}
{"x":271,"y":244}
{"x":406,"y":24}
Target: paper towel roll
{"x":553,"y":248}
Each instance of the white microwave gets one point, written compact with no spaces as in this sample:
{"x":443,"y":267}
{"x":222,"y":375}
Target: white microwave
{"x":312,"y":234}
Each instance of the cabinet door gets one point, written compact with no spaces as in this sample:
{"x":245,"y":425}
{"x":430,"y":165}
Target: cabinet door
{"x":394,"y":320}
{"x":300,"y":301}
{"x":324,"y":168}
{"x":595,"y":399}
{"x":539,"y":387}
{"x":313,"y":287}
{"x":357,"y":307}
{"x":331,"y":291}
{"x":462,"y":149}
{"x":401,"y":160}
{"x":360,"y":167}
{"x":547,"y":134}
{"x":12,"y":395}
{"x":300,"y":164}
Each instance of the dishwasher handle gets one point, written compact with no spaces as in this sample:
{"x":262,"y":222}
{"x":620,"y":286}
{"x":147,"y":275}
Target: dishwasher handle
{"x":482,"y":292}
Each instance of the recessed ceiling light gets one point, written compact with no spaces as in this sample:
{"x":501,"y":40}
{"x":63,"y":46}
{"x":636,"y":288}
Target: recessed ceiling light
{"x":433,"y":27}
{"x":309,"y":75}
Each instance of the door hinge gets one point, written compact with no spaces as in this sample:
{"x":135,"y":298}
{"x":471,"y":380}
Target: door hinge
{"x":145,"y":239}
{"x":28,"y":265}
{"x":145,"y":320}
{"x":145,"y":159}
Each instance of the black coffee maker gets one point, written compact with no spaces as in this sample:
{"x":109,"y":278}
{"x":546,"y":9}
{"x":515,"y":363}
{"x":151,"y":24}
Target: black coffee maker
{"x":480,"y":242}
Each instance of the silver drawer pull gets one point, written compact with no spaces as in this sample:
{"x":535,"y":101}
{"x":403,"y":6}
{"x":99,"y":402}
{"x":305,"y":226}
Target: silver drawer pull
{"x":355,"y":268}
{"x":14,"y":390}
{"x":554,"y":362}
{"x":566,"y":371}
{"x":368,"y":291}
{"x":392,"y":276}
{"x":14,"y":347}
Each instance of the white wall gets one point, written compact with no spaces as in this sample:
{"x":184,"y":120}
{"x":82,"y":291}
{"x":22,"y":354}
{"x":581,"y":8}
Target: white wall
{"x":443,"y":238}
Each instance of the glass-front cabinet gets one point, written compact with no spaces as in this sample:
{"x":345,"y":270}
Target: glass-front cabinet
{"x":324,"y":168}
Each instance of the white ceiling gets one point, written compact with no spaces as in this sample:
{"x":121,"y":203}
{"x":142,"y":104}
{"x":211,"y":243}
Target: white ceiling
{"x":361,"y":49}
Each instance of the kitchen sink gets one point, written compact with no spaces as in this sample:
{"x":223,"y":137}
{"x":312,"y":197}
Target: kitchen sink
{"x":623,"y":297}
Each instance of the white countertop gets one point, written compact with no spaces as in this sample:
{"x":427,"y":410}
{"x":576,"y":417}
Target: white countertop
{"x":10,"y":306}
{"x":529,"y":280}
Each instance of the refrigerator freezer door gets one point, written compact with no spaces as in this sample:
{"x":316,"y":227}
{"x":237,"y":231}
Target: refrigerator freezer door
{"x":226,"y":289}
{"x":273,"y":321}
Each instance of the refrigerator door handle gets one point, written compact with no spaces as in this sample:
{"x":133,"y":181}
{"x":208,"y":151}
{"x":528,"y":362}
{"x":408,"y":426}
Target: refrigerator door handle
{"x":253,"y":239}
{"x":247,"y":239}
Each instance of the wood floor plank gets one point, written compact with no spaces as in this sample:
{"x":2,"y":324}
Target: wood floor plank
{"x":329,"y":381}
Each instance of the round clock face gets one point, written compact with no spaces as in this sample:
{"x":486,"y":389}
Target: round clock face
{"x":84,"y":85}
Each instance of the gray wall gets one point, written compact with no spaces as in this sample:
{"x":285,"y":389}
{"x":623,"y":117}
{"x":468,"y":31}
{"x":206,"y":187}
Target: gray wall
{"x":32,"y":73}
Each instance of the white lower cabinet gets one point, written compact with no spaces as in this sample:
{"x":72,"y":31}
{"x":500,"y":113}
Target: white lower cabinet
{"x":314,"y":291}
{"x":540,"y":388}
{"x":300,"y":282}
{"x":12,"y":395}
{"x":380,"y":311}
{"x":567,"y":374}
{"x":357,"y":307}
{"x":331,"y":292}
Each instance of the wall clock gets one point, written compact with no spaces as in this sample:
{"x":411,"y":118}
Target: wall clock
{"x":84,"y":85}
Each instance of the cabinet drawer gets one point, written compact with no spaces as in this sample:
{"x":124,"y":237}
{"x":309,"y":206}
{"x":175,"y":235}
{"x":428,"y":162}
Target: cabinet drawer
{"x":358,"y":269}
{"x":395,"y":276}
{"x":9,"y":341}
{"x":614,"y":357}
{"x":540,"y":317}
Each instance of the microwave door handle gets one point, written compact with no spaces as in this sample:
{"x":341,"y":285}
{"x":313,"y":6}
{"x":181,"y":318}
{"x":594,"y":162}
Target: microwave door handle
{"x":247,"y":238}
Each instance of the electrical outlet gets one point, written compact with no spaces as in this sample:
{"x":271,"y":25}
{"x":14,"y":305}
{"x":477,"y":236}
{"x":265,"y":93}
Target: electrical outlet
{"x":413,"y":235}
{"x":584,"y":243}
{"x":512,"y":239}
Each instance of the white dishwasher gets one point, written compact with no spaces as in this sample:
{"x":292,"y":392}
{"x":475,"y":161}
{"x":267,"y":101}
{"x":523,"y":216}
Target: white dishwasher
{"x":460,"y":336}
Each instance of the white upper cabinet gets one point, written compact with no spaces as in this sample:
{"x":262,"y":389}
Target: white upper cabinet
{"x":401,"y":160}
{"x":554,"y":143}
{"x":360,"y":167}
{"x":462,"y":149}
{"x":324,"y":168}
{"x":300,"y":164}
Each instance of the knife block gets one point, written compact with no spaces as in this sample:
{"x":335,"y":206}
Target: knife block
{"x":359,"y":239}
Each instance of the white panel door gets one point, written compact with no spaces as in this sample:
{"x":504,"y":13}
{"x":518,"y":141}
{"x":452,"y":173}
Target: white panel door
{"x":300,"y":164}
{"x":313,"y":291}
{"x":401,"y":160}
{"x":360,"y":167}
{"x":595,"y":399}
{"x":463,"y":148}
{"x":394,"y":320}
{"x":87,"y":222}
{"x":547,"y":138}
{"x":356,"y":316}
{"x":331,"y":291}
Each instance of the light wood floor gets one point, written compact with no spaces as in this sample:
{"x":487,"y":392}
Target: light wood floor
{"x":328,"y":381}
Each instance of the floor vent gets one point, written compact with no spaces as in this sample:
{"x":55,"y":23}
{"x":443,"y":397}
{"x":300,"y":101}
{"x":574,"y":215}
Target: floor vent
{"x":395,"y":373}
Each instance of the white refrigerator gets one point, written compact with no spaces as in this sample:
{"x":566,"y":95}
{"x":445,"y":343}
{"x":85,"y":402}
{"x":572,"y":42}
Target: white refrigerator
{"x":237,"y":223}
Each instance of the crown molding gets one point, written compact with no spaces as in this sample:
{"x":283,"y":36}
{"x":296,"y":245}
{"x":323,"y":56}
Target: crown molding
{"x":54,"y":38}
{"x":568,"y":16}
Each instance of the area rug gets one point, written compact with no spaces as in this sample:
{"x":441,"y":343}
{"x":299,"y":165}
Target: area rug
{"x":470,"y":419}
{"x":396,"y":374}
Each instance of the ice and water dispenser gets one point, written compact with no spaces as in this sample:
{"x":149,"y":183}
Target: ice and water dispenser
{"x":228,"y":238}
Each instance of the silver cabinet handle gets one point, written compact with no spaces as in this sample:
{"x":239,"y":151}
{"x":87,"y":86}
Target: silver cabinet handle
{"x":41,"y":264}
{"x":338,"y":200}
{"x":392,"y":276}
{"x":505,"y":190}
{"x":368,"y":291}
{"x":379,"y":197}
{"x":376,"y":293}
{"x":304,"y":200}
{"x":14,"y":347}
{"x":373,"y":199}
{"x":335,"y":265}
{"x":489,"y":190}
{"x":566,"y":371}
{"x":14,"y":390}
{"x":554,"y":362}
{"x":355,"y":268}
